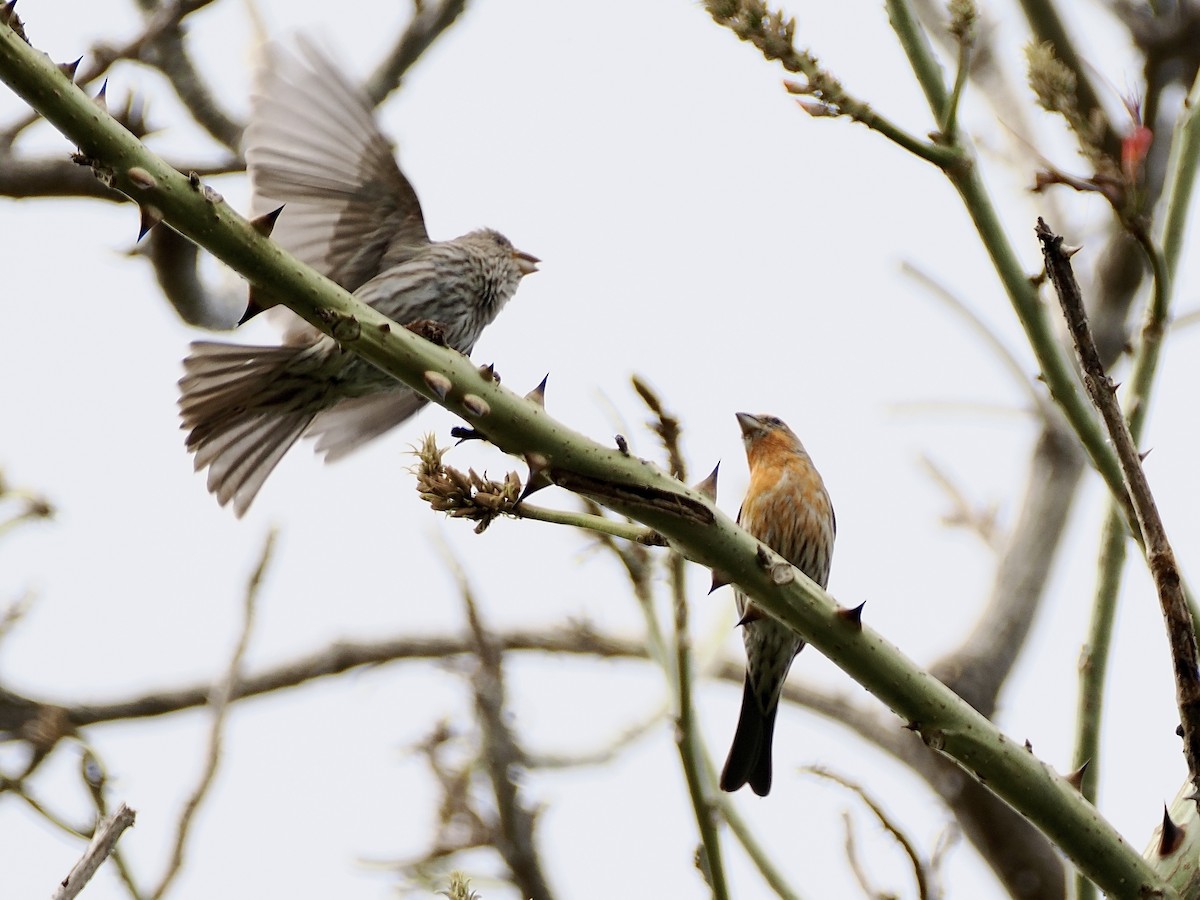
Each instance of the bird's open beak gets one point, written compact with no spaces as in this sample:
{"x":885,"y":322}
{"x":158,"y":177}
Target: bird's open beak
{"x":526,"y":264}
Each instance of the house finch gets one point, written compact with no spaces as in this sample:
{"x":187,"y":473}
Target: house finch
{"x":312,"y":145}
{"x":787,"y":508}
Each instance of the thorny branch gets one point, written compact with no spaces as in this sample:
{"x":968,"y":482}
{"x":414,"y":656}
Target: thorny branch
{"x":1181,"y":630}
{"x":162,"y":45}
{"x":1115,"y":316}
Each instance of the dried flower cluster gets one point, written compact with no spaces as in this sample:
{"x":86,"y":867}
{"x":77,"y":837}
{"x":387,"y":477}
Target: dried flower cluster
{"x":463,"y":495}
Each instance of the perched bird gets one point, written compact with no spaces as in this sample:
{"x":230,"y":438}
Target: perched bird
{"x":787,"y":508}
{"x":313,"y":147}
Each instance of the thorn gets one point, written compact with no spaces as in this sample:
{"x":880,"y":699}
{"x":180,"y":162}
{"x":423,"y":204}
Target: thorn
{"x":719,"y":581}
{"x":141,"y":178}
{"x":653,"y":539}
{"x":101,"y":99}
{"x":258,"y":301}
{"x":1068,"y":252}
{"x":193,"y":181}
{"x":763,"y":557}
{"x":467,"y":434}
{"x":816,"y":108}
{"x":1028,"y":745}
{"x":1179,"y":730}
{"x":622,"y":445}
{"x":935,"y":739}
{"x":751,"y":614}
{"x":1171,"y":837}
{"x":852,"y":616}
{"x":489,"y":372}
{"x":70,"y":68}
{"x":385,"y":327}
{"x":265,"y":223}
{"x":7,"y":11}
{"x":538,"y":394}
{"x":476,"y":405}
{"x":151,"y":216}
{"x":708,"y":487}
{"x":1142,"y":456}
{"x":438,"y":383}
{"x":538,"y":478}
{"x":1075,"y":779}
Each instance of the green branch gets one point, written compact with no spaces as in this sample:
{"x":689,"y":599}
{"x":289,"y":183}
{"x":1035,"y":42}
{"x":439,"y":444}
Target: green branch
{"x":1093,"y":667}
{"x":629,"y":486}
{"x":1057,"y":373}
{"x":1181,"y":178}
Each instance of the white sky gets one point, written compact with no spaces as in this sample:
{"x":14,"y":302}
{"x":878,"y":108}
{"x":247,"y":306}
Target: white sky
{"x":694,"y":227}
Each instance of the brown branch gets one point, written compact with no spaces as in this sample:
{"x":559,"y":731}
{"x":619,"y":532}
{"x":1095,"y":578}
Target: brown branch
{"x":920,"y":872}
{"x":333,"y":660}
{"x":169,"y":55}
{"x":503,"y":758}
{"x":1159,"y":555}
{"x":1003,"y":837}
{"x":104,"y":55}
{"x":427,"y":24}
{"x":58,"y":176}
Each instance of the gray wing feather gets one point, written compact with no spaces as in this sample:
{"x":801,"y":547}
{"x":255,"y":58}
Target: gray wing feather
{"x":354,"y":422}
{"x":312,"y":145}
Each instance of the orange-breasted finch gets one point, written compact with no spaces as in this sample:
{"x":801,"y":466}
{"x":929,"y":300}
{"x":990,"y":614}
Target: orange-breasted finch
{"x":788,"y":509}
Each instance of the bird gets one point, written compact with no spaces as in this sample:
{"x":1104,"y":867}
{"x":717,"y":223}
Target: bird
{"x":788,"y":509}
{"x":313,"y":147}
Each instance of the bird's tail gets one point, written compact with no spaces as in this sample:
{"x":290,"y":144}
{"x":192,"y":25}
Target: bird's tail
{"x":749,"y":760}
{"x":244,"y":406}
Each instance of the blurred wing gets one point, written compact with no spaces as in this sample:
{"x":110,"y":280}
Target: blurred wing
{"x":355,"y":421}
{"x":312,"y":145}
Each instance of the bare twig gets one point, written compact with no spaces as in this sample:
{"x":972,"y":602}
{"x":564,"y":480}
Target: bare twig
{"x":822,"y":94}
{"x":854,"y":860}
{"x":605,"y":753}
{"x":1008,"y":359}
{"x":981,"y":521}
{"x":665,"y":425}
{"x":103,"y":842}
{"x":758,"y":855}
{"x":514,"y":835}
{"x":168,"y":53}
{"x":103,"y":55}
{"x":910,"y":850}
{"x":690,"y":744}
{"x":427,"y":24}
{"x":1159,"y":555}
{"x":682,"y":673}
{"x":219,"y":701}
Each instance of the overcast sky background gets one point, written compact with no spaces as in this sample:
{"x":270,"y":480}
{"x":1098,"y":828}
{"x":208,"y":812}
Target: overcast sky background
{"x":695,"y":227}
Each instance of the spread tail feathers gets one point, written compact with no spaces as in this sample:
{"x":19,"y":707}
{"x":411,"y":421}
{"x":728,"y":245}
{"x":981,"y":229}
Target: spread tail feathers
{"x":245,"y":407}
{"x":749,"y":760}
